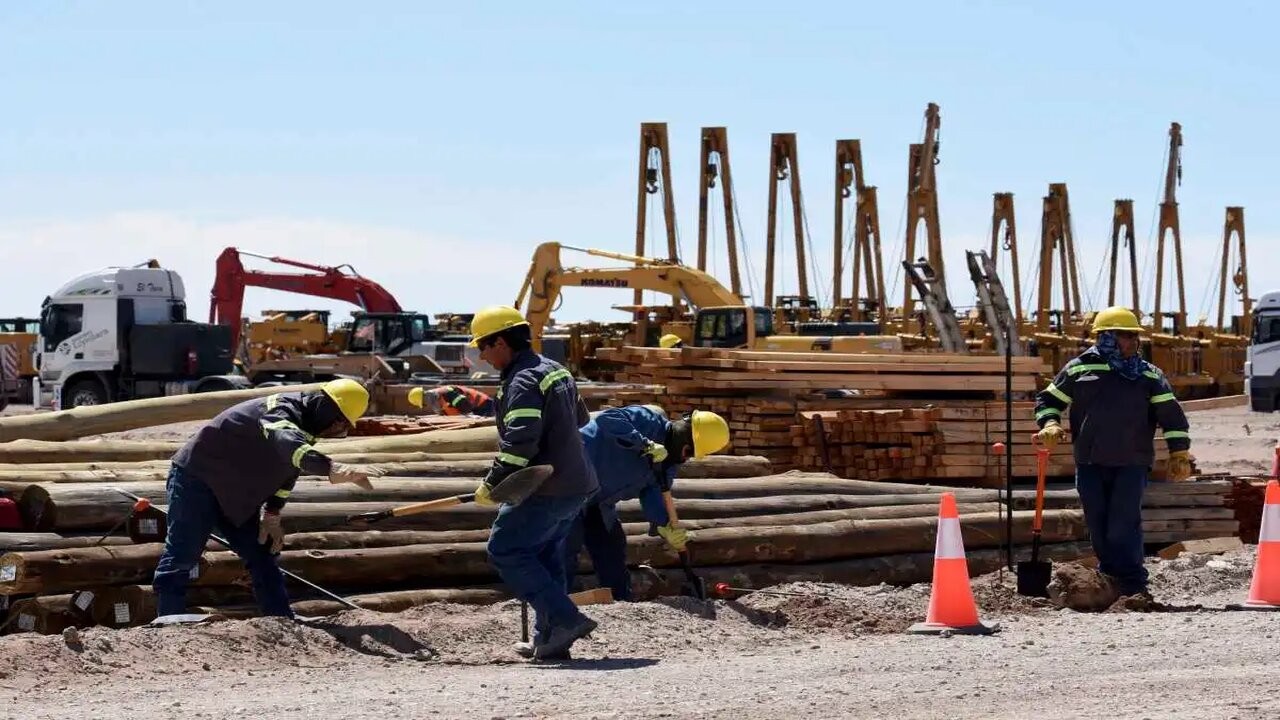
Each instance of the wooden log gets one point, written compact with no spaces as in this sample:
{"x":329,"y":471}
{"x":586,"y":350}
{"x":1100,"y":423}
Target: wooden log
{"x":45,"y":615}
{"x":55,"y":571}
{"x":128,"y":415}
{"x":27,"y":542}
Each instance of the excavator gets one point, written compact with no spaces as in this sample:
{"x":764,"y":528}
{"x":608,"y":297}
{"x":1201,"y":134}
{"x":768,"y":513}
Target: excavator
{"x":286,"y":339}
{"x":722,"y":318}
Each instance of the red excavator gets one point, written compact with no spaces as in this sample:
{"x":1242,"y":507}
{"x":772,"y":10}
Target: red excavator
{"x":340,"y":283}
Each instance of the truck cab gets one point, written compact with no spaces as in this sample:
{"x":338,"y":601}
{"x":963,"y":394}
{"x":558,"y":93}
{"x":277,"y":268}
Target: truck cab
{"x":1262,"y":360}
{"x":123,"y":333}
{"x":752,"y":327}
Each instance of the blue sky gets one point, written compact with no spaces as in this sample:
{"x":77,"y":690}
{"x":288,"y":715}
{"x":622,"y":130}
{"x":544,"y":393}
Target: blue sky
{"x":432,"y":145}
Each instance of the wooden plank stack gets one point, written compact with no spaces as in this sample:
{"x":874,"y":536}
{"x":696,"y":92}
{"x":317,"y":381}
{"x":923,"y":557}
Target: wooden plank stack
{"x":760,"y":392}
{"x":949,"y":445}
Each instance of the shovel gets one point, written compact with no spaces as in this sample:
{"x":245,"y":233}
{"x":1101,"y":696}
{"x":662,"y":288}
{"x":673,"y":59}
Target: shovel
{"x":1033,"y":575}
{"x":512,"y":490}
{"x":694,"y":585}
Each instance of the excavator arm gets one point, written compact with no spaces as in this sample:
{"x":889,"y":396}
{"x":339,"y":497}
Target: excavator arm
{"x":547,"y":276}
{"x":226,"y":302}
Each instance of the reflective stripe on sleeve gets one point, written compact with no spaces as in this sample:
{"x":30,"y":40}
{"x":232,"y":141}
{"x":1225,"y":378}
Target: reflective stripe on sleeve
{"x":1177,"y":435}
{"x":512,"y":459}
{"x":283,"y":493}
{"x":1048,"y":412}
{"x":1054,"y":391}
{"x":521,"y":413}
{"x":1095,"y":367}
{"x":554,"y":377}
{"x":1166,"y":397}
{"x":299,"y":454}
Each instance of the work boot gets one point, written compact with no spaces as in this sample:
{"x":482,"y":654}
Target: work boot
{"x":561,"y":638}
{"x":525,"y":650}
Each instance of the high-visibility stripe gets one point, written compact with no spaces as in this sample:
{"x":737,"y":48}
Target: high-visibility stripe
{"x":287,"y":425}
{"x":554,"y":377}
{"x":1166,"y":397}
{"x":1176,"y":434}
{"x":1270,"y":524}
{"x":950,"y":543}
{"x":500,"y":389}
{"x":299,"y":453}
{"x":1151,"y":374}
{"x":459,"y":398}
{"x":283,"y":494}
{"x":512,"y":459}
{"x":1055,"y":412}
{"x":1089,"y":367}
{"x":1054,"y":391}
{"x":272,"y":401}
{"x":521,"y":413}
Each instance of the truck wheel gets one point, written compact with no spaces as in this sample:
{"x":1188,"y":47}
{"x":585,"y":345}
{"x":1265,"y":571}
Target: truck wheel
{"x":84,"y":392}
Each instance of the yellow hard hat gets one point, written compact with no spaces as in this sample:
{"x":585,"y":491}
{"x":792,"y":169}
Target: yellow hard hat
{"x":493,"y":320}
{"x":415,"y":397}
{"x":351,"y":397}
{"x":669,"y":340}
{"x":1117,"y":318}
{"x":710,"y":433}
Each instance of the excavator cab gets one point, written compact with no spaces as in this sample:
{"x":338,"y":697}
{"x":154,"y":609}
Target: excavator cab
{"x":732,"y":327}
{"x":388,"y":333}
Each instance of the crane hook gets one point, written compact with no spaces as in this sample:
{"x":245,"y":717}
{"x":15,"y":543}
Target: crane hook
{"x":651,"y":180}
{"x":711,"y":173}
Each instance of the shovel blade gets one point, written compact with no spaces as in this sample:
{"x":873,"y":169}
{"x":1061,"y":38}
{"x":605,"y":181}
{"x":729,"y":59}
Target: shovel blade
{"x":1033,"y":578}
{"x":519,"y":485}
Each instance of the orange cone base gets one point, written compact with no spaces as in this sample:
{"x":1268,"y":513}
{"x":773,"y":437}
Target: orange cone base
{"x":1253,"y":605}
{"x":928,"y":628}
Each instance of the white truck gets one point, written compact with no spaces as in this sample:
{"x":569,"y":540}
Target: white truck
{"x":1262,"y":362}
{"x":123,"y":333}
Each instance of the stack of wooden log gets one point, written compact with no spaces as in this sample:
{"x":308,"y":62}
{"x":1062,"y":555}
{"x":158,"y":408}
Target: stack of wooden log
{"x":950,"y":445}
{"x":760,"y":392}
{"x":411,"y":425}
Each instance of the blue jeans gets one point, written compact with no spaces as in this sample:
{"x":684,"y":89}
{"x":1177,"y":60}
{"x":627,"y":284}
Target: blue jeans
{"x":1112,"y":500}
{"x":194,"y":515}
{"x":606,"y":543}
{"x":526,"y":545}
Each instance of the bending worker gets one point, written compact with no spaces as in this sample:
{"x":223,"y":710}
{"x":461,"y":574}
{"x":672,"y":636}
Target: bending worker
{"x":1116,"y":399}
{"x":538,"y":416}
{"x":636,"y":452}
{"x":670,"y":341}
{"x":453,"y":400}
{"x":234,"y":477}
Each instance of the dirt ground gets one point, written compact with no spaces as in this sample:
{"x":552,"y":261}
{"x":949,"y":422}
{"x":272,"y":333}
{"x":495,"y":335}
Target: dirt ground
{"x":834,"y":651}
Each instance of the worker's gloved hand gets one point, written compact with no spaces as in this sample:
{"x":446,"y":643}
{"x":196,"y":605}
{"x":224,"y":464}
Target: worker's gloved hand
{"x":1051,"y":434}
{"x":340,"y":473}
{"x":271,"y":529}
{"x":1180,"y":465}
{"x":483,"y":496}
{"x":676,"y":537}
{"x":656,"y":452}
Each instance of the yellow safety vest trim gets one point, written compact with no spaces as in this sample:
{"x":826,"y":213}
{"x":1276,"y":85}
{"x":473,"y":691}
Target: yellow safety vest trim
{"x":521,"y":413}
{"x":299,"y":454}
{"x":1054,"y":391}
{"x":554,"y":377}
{"x":512,"y":459}
{"x":283,"y":494}
{"x":1165,"y":397}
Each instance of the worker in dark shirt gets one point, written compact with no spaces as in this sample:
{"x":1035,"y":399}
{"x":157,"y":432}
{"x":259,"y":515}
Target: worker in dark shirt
{"x":538,"y":416}
{"x":1116,"y":399}
{"x":234,"y":477}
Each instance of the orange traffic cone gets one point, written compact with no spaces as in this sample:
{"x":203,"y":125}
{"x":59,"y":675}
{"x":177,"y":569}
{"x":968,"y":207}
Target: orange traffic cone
{"x":1264,"y":592}
{"x":951,"y":606}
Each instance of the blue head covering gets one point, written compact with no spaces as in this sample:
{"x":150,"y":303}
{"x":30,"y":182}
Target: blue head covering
{"x":1130,"y":367}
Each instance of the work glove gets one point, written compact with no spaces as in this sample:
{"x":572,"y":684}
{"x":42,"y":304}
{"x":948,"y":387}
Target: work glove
{"x":270,"y":528}
{"x":1051,"y":434}
{"x":676,"y":537}
{"x":356,"y":475}
{"x":656,"y":452}
{"x":1180,"y":465}
{"x":483,"y":496}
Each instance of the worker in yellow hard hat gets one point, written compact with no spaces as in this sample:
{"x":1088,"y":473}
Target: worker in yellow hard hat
{"x":636,"y":452}
{"x":1116,"y":399}
{"x":538,"y":415}
{"x":452,"y":400}
{"x":670,"y":340}
{"x":235,"y":475}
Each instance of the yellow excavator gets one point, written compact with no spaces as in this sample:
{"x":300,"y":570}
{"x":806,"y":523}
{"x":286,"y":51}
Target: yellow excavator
{"x":722,"y":319}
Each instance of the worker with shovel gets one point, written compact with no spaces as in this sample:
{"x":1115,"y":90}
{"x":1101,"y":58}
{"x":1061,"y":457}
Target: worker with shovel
{"x":538,"y":416}
{"x":636,"y":451}
{"x":235,"y":475}
{"x":1116,"y":400}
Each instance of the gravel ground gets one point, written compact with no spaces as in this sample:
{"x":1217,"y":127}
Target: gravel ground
{"x":836,"y":651}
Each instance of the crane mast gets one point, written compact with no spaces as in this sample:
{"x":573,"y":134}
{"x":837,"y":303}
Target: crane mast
{"x":1122,"y":236}
{"x":922,"y":204}
{"x":1169,"y":224}
{"x":1056,"y":236}
{"x":784,"y":165}
{"x":850,"y":182}
{"x":1002,"y":218}
{"x":714,"y":165}
{"x":655,"y":176}
{"x":1234,"y":225}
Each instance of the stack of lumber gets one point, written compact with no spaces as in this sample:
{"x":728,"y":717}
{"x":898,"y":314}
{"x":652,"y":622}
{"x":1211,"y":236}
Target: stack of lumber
{"x":948,"y":445}
{"x":760,"y":392}
{"x":409,"y":425}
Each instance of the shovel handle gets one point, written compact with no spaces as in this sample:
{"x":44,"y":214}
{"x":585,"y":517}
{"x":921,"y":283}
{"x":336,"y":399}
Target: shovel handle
{"x":430,"y":505}
{"x":1042,"y":469}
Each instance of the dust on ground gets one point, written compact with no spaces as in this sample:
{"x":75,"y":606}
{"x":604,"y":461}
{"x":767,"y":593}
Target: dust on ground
{"x":1234,"y":440}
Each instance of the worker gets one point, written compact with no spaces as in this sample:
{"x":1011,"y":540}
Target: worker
{"x":453,"y":400}
{"x":234,"y":477}
{"x":670,"y":341}
{"x":538,"y":415}
{"x":636,"y":451}
{"x":1116,"y":399}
